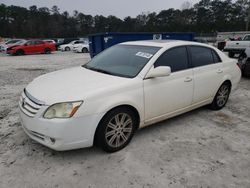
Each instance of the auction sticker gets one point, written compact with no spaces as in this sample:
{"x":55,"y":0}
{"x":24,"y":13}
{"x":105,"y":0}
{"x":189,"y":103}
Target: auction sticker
{"x":144,"y":54}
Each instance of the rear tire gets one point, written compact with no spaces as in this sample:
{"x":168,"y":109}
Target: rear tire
{"x":47,"y":51}
{"x":116,"y":129}
{"x":67,"y":49}
{"x":221,"y":97}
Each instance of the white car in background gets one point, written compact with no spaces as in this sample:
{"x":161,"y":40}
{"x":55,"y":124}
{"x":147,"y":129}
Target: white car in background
{"x":126,"y":87}
{"x":69,"y":46}
{"x":50,"y":41}
{"x":10,"y":43}
{"x":81,"y":48}
{"x":237,"y":46}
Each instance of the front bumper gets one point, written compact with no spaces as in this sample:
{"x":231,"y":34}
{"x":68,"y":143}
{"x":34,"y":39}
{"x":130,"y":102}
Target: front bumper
{"x":11,"y":52}
{"x":76,"y":50}
{"x":60,"y":134}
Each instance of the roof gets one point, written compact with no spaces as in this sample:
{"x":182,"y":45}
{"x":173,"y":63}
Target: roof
{"x":162,"y":43}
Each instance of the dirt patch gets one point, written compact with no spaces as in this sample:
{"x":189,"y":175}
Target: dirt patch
{"x":4,"y":113}
{"x":223,"y":119}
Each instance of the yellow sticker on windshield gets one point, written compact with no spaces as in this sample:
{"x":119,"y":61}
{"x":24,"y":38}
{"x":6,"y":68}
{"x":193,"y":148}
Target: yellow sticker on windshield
{"x":144,"y":54}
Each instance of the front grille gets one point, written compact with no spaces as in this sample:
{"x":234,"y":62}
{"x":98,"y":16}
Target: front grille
{"x":28,"y":105}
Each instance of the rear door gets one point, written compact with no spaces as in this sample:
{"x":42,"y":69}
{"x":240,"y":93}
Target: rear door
{"x":164,"y":95}
{"x":39,"y":46}
{"x":29,"y":47}
{"x":208,"y":72}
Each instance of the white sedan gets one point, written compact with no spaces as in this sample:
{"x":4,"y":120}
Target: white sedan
{"x":124,"y":88}
{"x":81,"y":48}
{"x":69,"y":46}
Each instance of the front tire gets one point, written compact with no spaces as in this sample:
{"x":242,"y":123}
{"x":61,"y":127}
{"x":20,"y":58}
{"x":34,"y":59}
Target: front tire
{"x":67,"y":49}
{"x":47,"y":51}
{"x":221,"y":97}
{"x":116,"y":129}
{"x":85,"y":50}
{"x":19,"y":52}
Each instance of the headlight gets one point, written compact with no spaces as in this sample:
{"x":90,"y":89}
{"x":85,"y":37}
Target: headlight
{"x":62,"y":110}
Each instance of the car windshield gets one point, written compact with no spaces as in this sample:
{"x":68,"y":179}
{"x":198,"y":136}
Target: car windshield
{"x":122,"y":60}
{"x":21,"y":42}
{"x":73,"y":42}
{"x":12,"y":41}
{"x":246,"y":38}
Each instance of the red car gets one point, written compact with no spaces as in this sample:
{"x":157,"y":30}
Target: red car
{"x":31,"y":47}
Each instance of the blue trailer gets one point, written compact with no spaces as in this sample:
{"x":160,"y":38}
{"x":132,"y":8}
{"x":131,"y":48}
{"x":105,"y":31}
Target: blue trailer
{"x":101,"y":41}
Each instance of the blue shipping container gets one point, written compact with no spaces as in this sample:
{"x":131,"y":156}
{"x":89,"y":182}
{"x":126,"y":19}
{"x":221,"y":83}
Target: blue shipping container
{"x":102,"y":41}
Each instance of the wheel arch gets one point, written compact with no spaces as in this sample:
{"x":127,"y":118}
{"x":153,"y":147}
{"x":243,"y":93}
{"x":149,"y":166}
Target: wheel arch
{"x":85,"y":48}
{"x":20,"y":50}
{"x":134,"y":109}
{"x":227,"y":79}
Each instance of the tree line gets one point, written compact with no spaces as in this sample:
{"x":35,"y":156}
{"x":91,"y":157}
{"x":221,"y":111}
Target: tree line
{"x":207,"y":16}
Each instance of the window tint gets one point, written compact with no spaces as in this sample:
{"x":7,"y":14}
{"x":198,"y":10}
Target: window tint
{"x":175,"y":58}
{"x":247,"y":38}
{"x":30,"y":42}
{"x":216,"y":57}
{"x":122,"y":60}
{"x":201,"y":56}
{"x":37,"y":42}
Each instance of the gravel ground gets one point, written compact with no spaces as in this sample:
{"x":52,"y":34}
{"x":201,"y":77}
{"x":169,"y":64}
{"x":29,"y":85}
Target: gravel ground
{"x":201,"y":148}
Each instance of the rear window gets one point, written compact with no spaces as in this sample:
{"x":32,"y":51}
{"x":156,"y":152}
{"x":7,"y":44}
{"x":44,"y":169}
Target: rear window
{"x":201,"y":56}
{"x":216,"y":57}
{"x":37,"y":42}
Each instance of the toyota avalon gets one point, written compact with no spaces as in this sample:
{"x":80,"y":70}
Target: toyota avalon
{"x":126,"y":87}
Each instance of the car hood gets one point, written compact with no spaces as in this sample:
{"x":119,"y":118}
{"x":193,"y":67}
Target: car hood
{"x":72,"y":84}
{"x":13,"y":45}
{"x":64,"y":45}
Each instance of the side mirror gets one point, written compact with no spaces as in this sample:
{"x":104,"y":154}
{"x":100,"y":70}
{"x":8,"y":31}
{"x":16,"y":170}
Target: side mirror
{"x":161,"y":71}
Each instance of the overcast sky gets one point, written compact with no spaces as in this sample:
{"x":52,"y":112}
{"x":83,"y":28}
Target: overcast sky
{"x":120,"y":8}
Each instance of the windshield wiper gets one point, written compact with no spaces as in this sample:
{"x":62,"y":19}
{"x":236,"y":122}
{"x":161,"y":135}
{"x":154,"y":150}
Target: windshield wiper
{"x":98,"y":70}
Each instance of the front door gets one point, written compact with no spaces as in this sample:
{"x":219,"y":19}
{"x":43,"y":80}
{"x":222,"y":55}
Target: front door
{"x":165,"y":95}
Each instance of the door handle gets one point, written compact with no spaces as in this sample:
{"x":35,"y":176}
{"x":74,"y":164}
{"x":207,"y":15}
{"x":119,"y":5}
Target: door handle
{"x":188,"y":79}
{"x":219,"y":71}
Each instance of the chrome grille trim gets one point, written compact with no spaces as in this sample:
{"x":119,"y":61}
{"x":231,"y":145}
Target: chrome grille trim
{"x":28,"y":105}
{"x":33,"y":99}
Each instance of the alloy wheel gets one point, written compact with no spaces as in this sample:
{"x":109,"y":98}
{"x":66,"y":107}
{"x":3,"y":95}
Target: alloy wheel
{"x":222,"y":95}
{"x":119,"y":130}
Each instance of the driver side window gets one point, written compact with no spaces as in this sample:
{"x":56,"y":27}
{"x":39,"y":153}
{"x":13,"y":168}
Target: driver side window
{"x":30,"y":43}
{"x":247,"y":38}
{"x":175,"y":58}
